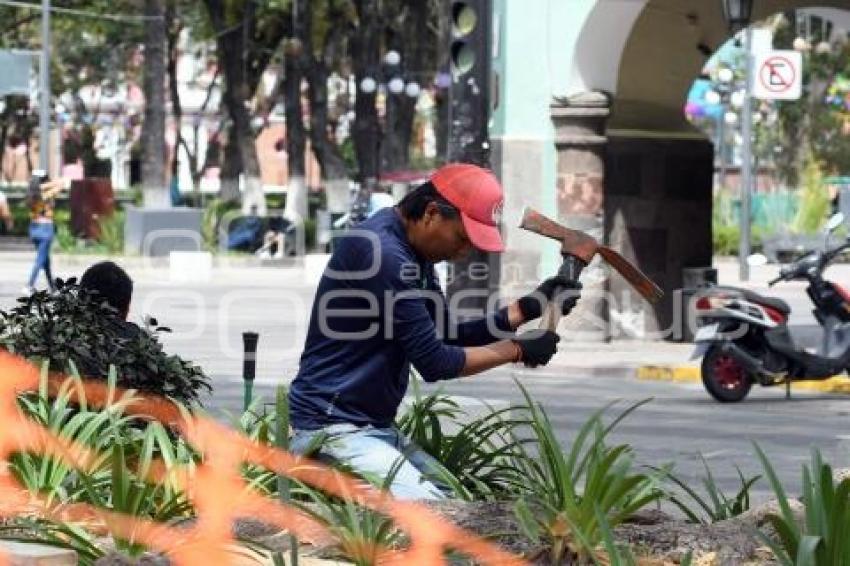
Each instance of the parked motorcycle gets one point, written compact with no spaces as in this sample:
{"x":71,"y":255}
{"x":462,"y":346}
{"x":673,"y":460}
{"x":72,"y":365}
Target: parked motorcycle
{"x":743,"y":337}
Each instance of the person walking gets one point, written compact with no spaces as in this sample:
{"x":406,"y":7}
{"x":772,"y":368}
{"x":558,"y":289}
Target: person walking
{"x":40,"y":200}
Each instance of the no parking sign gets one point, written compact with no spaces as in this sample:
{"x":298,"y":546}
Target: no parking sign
{"x":778,"y":75}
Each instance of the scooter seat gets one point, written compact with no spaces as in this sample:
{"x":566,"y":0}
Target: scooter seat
{"x":753,"y":297}
{"x":772,"y":302}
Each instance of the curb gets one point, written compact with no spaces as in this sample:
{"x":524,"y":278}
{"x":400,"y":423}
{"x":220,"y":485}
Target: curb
{"x":681,"y":373}
{"x":692,"y":374}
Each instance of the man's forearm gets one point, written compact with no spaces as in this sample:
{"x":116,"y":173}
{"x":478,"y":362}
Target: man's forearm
{"x":481,"y":358}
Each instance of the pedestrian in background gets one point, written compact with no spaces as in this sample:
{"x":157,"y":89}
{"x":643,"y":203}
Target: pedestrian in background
{"x":40,"y":201}
{"x":6,"y":222}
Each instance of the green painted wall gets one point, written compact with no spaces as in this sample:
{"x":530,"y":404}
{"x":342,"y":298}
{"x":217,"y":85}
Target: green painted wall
{"x":533,"y":41}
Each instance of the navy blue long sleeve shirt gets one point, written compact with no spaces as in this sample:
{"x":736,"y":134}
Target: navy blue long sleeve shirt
{"x":378,"y":309}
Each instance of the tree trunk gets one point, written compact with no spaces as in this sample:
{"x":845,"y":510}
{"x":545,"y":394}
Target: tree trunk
{"x":334,"y":171}
{"x":173,"y":27}
{"x":231,"y":167}
{"x":232,"y":46}
{"x":196,"y":166}
{"x":401,"y":108}
{"x":297,"y":51}
{"x":154,"y":189}
{"x":441,"y":126}
{"x":366,"y":132}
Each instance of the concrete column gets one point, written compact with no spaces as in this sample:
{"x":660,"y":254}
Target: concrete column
{"x":580,"y":145}
{"x":521,"y":166}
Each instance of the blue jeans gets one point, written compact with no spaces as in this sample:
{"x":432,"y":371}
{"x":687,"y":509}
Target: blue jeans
{"x":374,"y":451}
{"x":41,"y":234}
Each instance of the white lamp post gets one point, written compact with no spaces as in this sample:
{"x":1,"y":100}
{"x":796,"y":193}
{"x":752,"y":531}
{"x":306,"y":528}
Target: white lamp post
{"x":44,"y":85}
{"x":738,"y":14}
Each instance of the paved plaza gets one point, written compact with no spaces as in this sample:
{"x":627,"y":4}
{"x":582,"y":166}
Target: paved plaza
{"x":209,"y":314}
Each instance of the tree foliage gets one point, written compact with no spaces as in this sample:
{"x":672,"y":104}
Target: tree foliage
{"x":811,"y":124}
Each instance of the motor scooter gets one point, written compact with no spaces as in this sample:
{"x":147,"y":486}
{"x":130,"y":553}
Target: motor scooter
{"x":743,"y":336}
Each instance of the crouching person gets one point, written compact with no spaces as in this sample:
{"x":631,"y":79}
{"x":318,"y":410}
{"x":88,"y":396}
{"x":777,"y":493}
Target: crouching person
{"x":375,"y":315}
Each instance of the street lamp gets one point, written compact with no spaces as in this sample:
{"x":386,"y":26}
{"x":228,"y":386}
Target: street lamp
{"x":800,"y":44}
{"x":720,"y":95}
{"x":392,"y":57}
{"x":738,"y":14}
{"x":44,"y":86}
{"x":387,"y":79}
{"x":725,"y":75}
{"x":390,"y":77}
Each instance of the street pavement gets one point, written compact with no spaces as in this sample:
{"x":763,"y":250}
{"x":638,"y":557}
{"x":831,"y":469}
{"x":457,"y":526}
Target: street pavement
{"x":208,"y":311}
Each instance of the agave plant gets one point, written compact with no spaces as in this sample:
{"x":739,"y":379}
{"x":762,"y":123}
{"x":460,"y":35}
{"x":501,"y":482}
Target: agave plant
{"x":362,"y":535}
{"x":48,"y":475}
{"x":259,"y":426}
{"x":54,"y":533}
{"x":715,"y":505}
{"x":116,"y":479}
{"x":823,"y":537}
{"x":566,"y":493}
{"x":128,"y":490}
{"x":478,"y":458}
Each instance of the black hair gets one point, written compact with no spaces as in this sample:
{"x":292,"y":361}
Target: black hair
{"x":414,"y":203}
{"x":111,"y":283}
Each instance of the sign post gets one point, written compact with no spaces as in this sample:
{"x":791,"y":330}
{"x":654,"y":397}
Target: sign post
{"x":746,"y":158}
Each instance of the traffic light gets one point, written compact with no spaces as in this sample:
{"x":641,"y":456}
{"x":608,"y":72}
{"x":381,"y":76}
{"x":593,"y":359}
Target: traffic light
{"x":468,"y":139}
{"x":469,"y":92}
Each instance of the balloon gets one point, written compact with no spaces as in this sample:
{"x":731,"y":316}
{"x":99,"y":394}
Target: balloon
{"x":694,"y":110}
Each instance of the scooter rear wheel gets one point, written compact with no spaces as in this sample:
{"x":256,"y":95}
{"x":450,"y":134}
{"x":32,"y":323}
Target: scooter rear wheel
{"x":724,"y":377}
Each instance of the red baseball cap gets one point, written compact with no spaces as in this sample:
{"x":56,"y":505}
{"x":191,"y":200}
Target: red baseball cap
{"x":477,"y":194}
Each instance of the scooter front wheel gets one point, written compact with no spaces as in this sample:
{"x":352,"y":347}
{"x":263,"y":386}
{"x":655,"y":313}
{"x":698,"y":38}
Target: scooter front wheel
{"x":724,"y":377}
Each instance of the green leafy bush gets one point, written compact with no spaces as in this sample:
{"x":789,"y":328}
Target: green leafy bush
{"x":72,"y":327}
{"x":814,"y":199}
{"x":214,"y":211}
{"x":725,"y":239}
{"x":112,"y":232}
{"x":65,"y":240}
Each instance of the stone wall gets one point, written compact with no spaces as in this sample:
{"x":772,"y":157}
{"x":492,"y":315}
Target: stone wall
{"x":658,"y":199}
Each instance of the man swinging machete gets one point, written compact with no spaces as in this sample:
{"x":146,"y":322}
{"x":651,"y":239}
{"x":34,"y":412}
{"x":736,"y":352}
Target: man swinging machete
{"x":379,"y":310}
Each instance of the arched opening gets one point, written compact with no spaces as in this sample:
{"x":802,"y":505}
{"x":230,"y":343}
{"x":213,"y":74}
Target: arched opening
{"x":659,"y":167}
{"x":800,"y":148}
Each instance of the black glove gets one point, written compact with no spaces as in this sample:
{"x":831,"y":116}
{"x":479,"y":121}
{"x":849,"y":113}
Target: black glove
{"x":567,"y":295}
{"x":537,"y":346}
